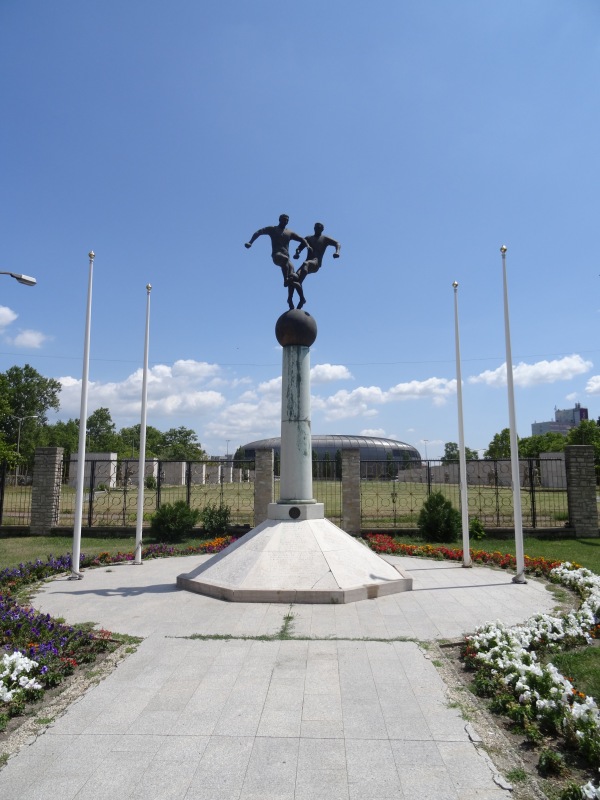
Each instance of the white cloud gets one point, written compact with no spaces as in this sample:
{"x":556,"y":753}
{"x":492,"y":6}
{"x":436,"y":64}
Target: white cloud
{"x":7,"y":315}
{"x":572,"y":397}
{"x":271,"y":387}
{"x":593,"y":385}
{"x":326,"y":373}
{"x":171,"y":391}
{"x":245,"y":422}
{"x":29,"y":338}
{"x":526,"y":375}
{"x":439,"y":389}
{"x":372,"y":432}
{"x":363,"y":400}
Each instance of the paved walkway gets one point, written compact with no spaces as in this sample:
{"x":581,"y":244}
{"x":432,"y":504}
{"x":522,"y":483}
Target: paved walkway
{"x":343,"y":710}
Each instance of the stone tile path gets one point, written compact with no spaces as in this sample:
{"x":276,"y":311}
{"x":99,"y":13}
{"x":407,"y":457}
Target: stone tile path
{"x":343,"y":710}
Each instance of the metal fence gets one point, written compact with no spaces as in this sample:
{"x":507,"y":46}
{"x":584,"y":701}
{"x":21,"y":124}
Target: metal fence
{"x":111,"y":490}
{"x":392,"y":497}
{"x":15,"y":496}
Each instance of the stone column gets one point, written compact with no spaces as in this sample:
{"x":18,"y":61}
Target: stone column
{"x":263,"y":484}
{"x":296,"y":442}
{"x":581,"y":489}
{"x":45,"y":490}
{"x":351,"y":491}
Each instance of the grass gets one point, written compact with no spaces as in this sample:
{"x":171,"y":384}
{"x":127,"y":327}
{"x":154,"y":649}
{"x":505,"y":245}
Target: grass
{"x":582,"y":667}
{"x":19,"y":549}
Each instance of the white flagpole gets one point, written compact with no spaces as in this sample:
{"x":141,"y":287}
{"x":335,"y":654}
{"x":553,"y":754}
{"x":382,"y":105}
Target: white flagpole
{"x":464,"y":499}
{"x":514,"y":444}
{"x":75,"y":574}
{"x":142,"y":461}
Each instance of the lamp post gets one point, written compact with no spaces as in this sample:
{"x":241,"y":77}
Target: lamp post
{"x":514,"y":445}
{"x":26,"y":280}
{"x":142,"y":461}
{"x":464,"y":500}
{"x":20,"y":420}
{"x":75,"y":574}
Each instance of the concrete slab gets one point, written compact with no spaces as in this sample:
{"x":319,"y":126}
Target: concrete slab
{"x":302,"y":561}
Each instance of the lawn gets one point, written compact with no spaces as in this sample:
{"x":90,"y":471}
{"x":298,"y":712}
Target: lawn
{"x":15,"y":549}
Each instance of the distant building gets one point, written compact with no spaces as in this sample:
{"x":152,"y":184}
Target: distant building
{"x":564,"y":420}
{"x":378,"y":456}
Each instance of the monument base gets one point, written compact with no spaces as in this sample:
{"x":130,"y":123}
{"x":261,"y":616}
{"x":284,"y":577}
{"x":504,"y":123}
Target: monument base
{"x":307,"y":560}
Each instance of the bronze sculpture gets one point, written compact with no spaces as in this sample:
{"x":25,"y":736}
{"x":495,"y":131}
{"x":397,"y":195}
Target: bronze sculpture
{"x":318,"y":243}
{"x":315,"y":245}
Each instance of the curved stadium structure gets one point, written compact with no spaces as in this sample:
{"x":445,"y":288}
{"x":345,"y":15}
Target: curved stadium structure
{"x":373,"y":450}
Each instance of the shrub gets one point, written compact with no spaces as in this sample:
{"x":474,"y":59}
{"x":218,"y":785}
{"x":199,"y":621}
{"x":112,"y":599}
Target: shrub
{"x":476,"y":529}
{"x":150,"y":482}
{"x":215,"y":518}
{"x":172,"y":520}
{"x":438,"y":520}
{"x":551,"y":763}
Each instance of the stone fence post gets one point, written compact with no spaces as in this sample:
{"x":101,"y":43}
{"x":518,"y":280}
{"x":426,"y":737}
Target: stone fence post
{"x":45,"y":490}
{"x":351,"y":491}
{"x":263,"y":484}
{"x":581,"y":489}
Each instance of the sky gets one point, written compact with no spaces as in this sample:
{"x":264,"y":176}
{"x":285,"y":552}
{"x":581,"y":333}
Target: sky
{"x":423,"y":134}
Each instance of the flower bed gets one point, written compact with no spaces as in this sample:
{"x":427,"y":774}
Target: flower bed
{"x":509,"y":662}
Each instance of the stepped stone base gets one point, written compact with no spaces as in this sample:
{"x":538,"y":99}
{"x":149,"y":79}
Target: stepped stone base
{"x":300,"y":561}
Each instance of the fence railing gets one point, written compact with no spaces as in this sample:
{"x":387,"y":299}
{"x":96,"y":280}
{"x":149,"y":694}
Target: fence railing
{"x":15,"y":496}
{"x":394,"y":498}
{"x":391,"y":495}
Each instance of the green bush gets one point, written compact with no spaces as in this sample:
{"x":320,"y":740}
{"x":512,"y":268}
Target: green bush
{"x":551,"y":763}
{"x":150,"y":482}
{"x":438,"y":520}
{"x":476,"y":529}
{"x":172,"y":520}
{"x":215,"y":518}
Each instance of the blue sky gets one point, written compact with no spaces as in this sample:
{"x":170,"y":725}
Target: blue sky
{"x":424,"y":134}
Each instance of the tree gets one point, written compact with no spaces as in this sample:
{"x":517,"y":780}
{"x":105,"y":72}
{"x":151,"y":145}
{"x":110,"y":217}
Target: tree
{"x":532,"y":446}
{"x":61,"y":434}
{"x":27,"y":398}
{"x":101,"y":432}
{"x":181,"y":444}
{"x":499,"y":447}
{"x":129,"y":441}
{"x":451,"y":453}
{"x":587,"y":432}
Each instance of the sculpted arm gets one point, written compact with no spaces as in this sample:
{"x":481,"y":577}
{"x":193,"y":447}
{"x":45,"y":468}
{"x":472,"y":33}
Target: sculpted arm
{"x":255,"y":236}
{"x":335,"y":244}
{"x":300,"y":248}
{"x":303,"y":243}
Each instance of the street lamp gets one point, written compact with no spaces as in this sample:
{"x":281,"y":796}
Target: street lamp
{"x":25,"y":279}
{"x":20,"y":420}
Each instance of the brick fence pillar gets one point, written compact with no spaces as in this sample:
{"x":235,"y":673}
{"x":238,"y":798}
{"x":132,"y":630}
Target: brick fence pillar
{"x":263,"y":484}
{"x":45,"y":490}
{"x":581,"y":489}
{"x":351,"y":491}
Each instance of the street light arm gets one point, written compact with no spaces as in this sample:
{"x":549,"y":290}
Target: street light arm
{"x":27,"y":280}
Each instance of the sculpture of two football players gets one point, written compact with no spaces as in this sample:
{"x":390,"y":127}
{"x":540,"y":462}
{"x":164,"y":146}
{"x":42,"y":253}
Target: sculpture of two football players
{"x":315,"y":245}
